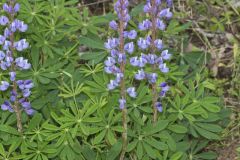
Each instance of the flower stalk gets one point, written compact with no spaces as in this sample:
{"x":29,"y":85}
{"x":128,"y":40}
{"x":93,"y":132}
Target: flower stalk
{"x":20,"y":89}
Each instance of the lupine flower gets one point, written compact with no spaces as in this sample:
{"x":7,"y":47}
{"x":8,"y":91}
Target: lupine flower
{"x":159,"y":106}
{"x":2,"y":39}
{"x":131,"y":34}
{"x":145,"y":25}
{"x":134,"y":61}
{"x":160,"y":25}
{"x":122,"y":103}
{"x":16,"y":7}
{"x":6,"y":106}
{"x":110,"y":61}
{"x":4,"y":86}
{"x":113,"y":25}
{"x":152,"y":78}
{"x":165,"y":13}
{"x":112,"y":85}
{"x":140,"y":75}
{"x":147,"y":7}
{"x":7,"y":33}
{"x":131,"y":92}
{"x":21,"y":45}
{"x":2,"y":55}
{"x":6,"y":45}
{"x":12,"y":76}
{"x":111,"y":43}
{"x":3,"y":20}
{"x":129,"y":47}
{"x":22,"y":63}
{"x":13,"y":96}
{"x":163,"y":67}
{"x":143,"y":44}
{"x":142,"y":60}
{"x":169,"y":3}
{"x":165,"y":55}
{"x":158,"y":44}
{"x":151,"y":58}
{"x":26,"y":93}
{"x":119,"y":77}
{"x":122,"y":57}
{"x":164,"y":86}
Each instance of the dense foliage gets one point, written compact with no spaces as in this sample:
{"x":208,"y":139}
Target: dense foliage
{"x":77,"y":117}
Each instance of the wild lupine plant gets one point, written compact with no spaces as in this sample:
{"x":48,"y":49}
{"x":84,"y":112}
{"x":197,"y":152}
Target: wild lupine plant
{"x":18,"y":90}
{"x":115,"y":63}
{"x":153,"y":46}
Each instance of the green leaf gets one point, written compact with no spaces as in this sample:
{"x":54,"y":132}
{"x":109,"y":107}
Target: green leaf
{"x":207,"y":134}
{"x":111,"y":138}
{"x":176,"y":156}
{"x":8,"y":129}
{"x":35,"y":121}
{"x":139,"y":151}
{"x":114,"y":151}
{"x":207,"y":155}
{"x":132,"y":145}
{"x":151,"y":153}
{"x":177,"y":128}
{"x":156,"y":144}
{"x":154,"y":128}
{"x":211,"y":107}
{"x":210,"y":127}
{"x":99,"y":137}
{"x":91,"y":43}
{"x":2,"y":151}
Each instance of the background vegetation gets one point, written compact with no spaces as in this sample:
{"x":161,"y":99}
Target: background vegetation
{"x":78,"y":118}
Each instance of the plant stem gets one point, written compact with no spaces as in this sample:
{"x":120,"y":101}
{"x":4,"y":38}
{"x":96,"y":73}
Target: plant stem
{"x":153,"y":49}
{"x":123,"y":88}
{"x":16,"y":108}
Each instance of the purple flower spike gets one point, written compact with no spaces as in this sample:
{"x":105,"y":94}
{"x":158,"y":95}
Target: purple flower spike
{"x":122,"y":103}
{"x":131,"y":92}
